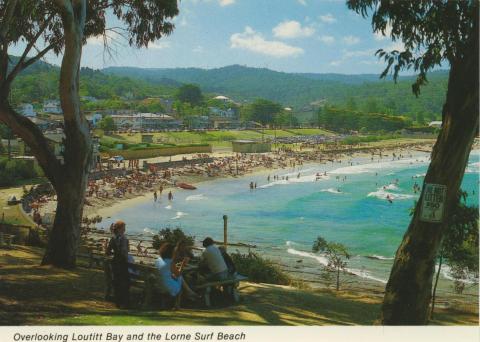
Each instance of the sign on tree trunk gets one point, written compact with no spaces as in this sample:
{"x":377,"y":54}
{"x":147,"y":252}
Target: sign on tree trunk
{"x":433,"y":203}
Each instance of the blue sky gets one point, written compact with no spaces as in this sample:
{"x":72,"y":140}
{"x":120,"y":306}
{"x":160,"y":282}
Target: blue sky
{"x":285,"y":35}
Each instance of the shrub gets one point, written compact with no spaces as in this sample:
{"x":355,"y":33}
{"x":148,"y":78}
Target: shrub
{"x":259,"y":269}
{"x":172,"y":236}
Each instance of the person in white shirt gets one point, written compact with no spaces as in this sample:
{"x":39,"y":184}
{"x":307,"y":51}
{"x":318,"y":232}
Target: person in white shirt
{"x":213,"y":259}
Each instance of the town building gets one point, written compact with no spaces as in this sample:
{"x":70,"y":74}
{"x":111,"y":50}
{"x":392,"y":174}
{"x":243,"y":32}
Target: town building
{"x":52,"y":107}
{"x":145,"y":121}
{"x":26,"y":109}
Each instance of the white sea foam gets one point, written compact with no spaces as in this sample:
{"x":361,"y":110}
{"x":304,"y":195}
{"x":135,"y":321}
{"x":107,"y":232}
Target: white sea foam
{"x":180,"y":214}
{"x":198,"y":197}
{"x":379,"y":257}
{"x":365,"y":274}
{"x":324,"y":261}
{"x":420,"y":175}
{"x":382,"y":194}
{"x":373,"y":167}
{"x":148,"y":231}
{"x":295,"y":180}
{"x":168,"y":207}
{"x":333,"y":191}
{"x":473,"y":168}
{"x":391,"y":187}
{"x":447,"y":274}
{"x":321,"y":259}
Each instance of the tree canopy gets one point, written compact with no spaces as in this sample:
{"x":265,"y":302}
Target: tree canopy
{"x":190,"y":93}
{"x":432,"y":32}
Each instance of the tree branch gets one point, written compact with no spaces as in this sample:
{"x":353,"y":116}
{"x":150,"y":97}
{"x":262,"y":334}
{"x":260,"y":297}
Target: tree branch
{"x":19,"y":67}
{"x":21,"y":63}
{"x":32,"y":136}
{"x":7,"y":17}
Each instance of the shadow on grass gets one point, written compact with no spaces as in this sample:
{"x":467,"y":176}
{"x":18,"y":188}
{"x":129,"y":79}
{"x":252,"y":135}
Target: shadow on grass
{"x":36,"y":295}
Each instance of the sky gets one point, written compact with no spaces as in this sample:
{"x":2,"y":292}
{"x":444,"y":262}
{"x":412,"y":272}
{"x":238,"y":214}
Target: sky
{"x":319,"y":36}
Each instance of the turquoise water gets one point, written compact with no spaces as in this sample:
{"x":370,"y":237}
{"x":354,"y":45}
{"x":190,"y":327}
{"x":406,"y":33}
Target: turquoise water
{"x":283,"y":218}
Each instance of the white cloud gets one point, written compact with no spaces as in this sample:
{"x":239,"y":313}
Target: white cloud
{"x":254,"y":42}
{"x":326,"y":39}
{"x":292,"y":29}
{"x":398,"y":45}
{"x":226,"y":2}
{"x":159,"y":45}
{"x":351,"y":40}
{"x":328,"y":18}
{"x":112,"y":39}
{"x":198,"y":49}
{"x":380,"y":36}
{"x":347,"y":55}
{"x":302,"y":2}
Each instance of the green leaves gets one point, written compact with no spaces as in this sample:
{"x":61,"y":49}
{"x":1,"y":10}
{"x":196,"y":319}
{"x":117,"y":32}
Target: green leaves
{"x":432,"y":32}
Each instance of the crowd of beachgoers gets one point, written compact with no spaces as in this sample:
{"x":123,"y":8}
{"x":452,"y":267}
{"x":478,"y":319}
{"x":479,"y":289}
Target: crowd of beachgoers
{"x":163,"y":179}
{"x":158,"y":181}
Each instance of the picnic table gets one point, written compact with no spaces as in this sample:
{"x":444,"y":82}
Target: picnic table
{"x":6,"y":240}
{"x":143,"y":276}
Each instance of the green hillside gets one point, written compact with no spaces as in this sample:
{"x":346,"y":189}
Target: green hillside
{"x":299,"y":90}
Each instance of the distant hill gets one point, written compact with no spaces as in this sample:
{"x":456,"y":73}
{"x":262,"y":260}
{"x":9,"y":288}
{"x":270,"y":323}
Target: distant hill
{"x":298,"y":89}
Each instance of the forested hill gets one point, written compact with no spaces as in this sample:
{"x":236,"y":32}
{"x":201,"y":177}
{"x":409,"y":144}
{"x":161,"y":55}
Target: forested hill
{"x":298,"y":90}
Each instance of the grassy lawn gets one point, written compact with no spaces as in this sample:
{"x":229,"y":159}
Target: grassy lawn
{"x":35,"y":295}
{"x":217,"y":138}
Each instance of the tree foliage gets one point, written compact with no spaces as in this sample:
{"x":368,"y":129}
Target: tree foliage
{"x":336,"y":253}
{"x":263,"y":111}
{"x":432,"y":32}
{"x":107,"y":123}
{"x":339,"y":119}
{"x":190,"y":93}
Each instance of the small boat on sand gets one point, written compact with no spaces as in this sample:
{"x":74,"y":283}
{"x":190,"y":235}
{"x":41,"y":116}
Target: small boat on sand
{"x":186,"y":186}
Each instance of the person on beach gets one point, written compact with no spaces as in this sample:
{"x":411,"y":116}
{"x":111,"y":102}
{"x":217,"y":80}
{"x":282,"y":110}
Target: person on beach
{"x":169,"y":272}
{"x":118,"y":247}
{"x":213,"y":260}
{"x":154,"y":196}
{"x":170,"y":196}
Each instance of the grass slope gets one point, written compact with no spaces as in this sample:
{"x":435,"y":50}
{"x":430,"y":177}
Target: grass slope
{"x":35,"y":295}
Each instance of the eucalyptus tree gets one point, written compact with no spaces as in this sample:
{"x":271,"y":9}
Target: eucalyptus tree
{"x":434,"y":33}
{"x":62,"y":27}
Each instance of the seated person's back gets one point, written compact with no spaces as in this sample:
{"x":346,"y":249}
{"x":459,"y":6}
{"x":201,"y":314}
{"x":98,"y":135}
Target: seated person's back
{"x":213,"y":258}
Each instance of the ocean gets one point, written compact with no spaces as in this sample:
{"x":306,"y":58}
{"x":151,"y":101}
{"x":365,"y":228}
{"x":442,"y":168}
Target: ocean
{"x":284,"y":217}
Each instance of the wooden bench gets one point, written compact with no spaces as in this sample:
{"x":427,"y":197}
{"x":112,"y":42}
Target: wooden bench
{"x":231,"y":284}
{"x":6,"y":240}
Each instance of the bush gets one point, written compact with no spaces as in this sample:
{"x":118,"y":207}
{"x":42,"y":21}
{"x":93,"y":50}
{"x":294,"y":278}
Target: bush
{"x":259,"y":269}
{"x":14,"y":170}
{"x":172,"y":236}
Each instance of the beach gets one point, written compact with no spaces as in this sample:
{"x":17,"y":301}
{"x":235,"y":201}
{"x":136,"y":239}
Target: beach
{"x":265,"y":216}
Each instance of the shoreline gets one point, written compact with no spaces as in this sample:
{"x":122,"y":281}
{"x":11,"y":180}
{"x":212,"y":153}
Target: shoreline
{"x":110,"y":208}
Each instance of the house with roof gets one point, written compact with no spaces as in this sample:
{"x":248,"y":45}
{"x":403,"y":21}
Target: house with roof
{"x":26,"y":109}
{"x":52,"y":107}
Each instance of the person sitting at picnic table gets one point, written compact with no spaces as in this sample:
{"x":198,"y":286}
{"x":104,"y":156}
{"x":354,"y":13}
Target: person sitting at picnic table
{"x":213,"y":260}
{"x":118,"y":246}
{"x":169,"y":272}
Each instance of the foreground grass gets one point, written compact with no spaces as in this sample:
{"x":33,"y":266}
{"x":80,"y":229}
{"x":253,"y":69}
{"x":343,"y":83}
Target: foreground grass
{"x":35,"y":295}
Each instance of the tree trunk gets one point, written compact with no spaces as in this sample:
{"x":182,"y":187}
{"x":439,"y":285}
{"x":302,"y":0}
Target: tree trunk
{"x":73,"y":175}
{"x":64,"y":237}
{"x":408,"y":291}
{"x":338,"y":279}
{"x":435,"y":286}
